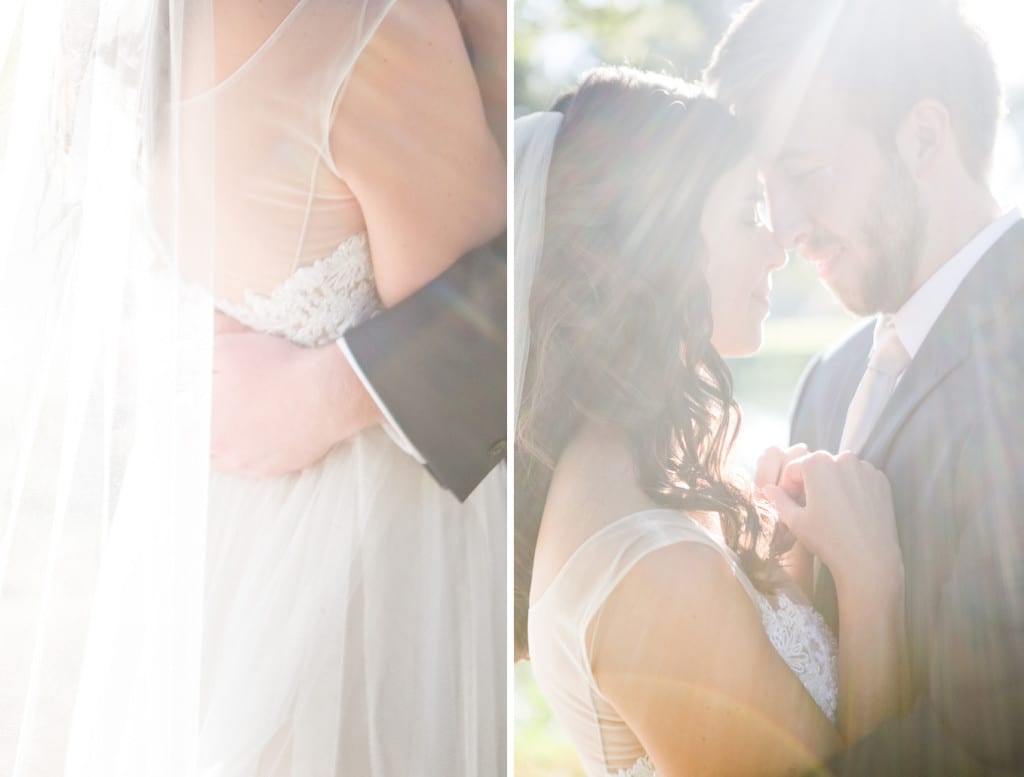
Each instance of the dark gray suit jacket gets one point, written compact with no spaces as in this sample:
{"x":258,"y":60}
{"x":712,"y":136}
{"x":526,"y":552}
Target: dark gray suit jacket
{"x":951,"y":441}
{"x":437,"y":362}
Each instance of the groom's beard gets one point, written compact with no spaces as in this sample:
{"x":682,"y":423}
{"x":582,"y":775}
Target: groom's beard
{"x":892,"y":238}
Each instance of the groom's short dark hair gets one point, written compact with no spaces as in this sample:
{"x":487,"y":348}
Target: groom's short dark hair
{"x":885,"y":55}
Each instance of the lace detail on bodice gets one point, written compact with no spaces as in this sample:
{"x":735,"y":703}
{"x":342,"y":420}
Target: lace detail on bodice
{"x":644,"y":767}
{"x":804,"y":641}
{"x":316,"y":303}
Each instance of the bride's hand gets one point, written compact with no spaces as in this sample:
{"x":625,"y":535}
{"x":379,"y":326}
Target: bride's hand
{"x":278,"y":407}
{"x":797,"y":562}
{"x":841,"y":509}
{"x":771,"y":463}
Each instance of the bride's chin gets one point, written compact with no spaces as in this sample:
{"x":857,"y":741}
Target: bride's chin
{"x":757,"y":340}
{"x":748,"y":346}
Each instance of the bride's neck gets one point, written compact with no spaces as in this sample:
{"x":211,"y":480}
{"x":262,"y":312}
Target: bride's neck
{"x":596,"y":472}
{"x":598,"y":467}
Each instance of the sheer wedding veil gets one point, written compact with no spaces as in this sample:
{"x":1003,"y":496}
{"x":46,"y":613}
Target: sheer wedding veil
{"x":535,"y":136}
{"x":106,"y":346}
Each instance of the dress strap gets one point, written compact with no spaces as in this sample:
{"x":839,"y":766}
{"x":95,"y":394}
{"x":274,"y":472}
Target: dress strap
{"x":600,"y":563}
{"x":312,"y":50}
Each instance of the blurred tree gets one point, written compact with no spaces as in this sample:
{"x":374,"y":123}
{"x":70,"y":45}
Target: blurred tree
{"x":556,"y":39}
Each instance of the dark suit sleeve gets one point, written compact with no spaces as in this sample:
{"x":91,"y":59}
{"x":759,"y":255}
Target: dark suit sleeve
{"x":437,"y":362}
{"x":801,"y":427}
{"x":970,"y":718}
{"x":976,"y":678}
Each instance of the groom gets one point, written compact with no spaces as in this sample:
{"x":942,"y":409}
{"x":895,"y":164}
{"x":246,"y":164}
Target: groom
{"x":875,"y":123}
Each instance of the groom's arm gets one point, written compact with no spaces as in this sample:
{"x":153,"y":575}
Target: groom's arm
{"x":436,"y":365}
{"x":432,"y":369}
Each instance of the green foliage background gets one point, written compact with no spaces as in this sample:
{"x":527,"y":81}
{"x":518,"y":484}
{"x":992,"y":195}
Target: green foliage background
{"x":676,"y":36}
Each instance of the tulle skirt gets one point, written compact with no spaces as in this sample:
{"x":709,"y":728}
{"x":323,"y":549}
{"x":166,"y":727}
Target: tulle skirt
{"x":355,"y":621}
{"x":347,"y":620}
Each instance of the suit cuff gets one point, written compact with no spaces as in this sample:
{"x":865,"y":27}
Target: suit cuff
{"x":390,"y":426}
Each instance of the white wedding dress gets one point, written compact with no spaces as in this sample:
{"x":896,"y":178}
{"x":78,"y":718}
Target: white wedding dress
{"x":354,"y":612}
{"x":560,"y":618}
{"x":354,"y":615}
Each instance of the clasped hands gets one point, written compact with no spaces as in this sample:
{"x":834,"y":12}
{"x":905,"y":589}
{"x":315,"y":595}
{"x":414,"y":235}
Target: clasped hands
{"x":839,"y":508}
{"x":278,"y":407}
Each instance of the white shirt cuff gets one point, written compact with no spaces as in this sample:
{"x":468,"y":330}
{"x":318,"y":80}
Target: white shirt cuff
{"x":390,"y":426}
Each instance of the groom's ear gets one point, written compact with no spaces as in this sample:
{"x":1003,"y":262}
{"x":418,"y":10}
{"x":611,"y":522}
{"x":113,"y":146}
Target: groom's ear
{"x":923,"y":137}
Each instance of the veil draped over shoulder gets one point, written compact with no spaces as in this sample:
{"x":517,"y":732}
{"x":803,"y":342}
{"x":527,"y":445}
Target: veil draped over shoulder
{"x":535,"y":136}
{"x":106,"y":329}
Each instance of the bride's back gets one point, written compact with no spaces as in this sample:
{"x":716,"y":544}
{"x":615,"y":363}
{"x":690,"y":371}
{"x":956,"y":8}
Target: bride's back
{"x":323,"y":119}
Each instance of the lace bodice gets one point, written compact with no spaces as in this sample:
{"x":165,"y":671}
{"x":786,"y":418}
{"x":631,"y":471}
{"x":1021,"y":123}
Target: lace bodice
{"x":801,"y":637}
{"x":560,"y":618}
{"x":317,"y":303}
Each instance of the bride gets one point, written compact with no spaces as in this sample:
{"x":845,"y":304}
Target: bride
{"x":662,"y":626}
{"x":308,"y":162}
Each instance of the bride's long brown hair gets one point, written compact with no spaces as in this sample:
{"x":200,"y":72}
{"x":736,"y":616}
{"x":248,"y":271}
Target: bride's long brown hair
{"x":620,"y":312}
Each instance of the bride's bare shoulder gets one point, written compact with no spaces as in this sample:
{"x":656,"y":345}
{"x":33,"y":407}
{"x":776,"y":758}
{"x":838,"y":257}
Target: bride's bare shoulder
{"x":411,"y":139}
{"x":242,"y":27}
{"x":680,"y":650}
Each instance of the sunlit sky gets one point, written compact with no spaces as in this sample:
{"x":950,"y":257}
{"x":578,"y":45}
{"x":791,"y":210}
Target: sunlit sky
{"x":1002,"y":21}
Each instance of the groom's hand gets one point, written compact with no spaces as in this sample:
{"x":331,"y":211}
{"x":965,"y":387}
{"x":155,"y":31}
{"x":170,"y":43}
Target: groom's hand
{"x":278,"y":407}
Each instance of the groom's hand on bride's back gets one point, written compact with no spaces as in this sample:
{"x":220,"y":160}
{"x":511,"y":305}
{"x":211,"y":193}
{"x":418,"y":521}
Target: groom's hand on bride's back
{"x":277,"y":407}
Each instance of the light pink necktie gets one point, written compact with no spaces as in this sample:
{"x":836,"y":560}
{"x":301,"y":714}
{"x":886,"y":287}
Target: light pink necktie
{"x":887,"y":362}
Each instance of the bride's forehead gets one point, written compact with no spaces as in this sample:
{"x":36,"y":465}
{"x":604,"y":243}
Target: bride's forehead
{"x":740,"y":180}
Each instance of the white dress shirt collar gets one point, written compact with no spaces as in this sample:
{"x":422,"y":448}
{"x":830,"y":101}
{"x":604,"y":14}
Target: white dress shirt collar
{"x":918,"y":315}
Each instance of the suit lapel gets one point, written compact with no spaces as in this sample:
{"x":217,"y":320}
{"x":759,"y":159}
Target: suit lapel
{"x":992,"y":283}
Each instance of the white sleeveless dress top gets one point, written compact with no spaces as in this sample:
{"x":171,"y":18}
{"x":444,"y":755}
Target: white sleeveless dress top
{"x":560,"y":618}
